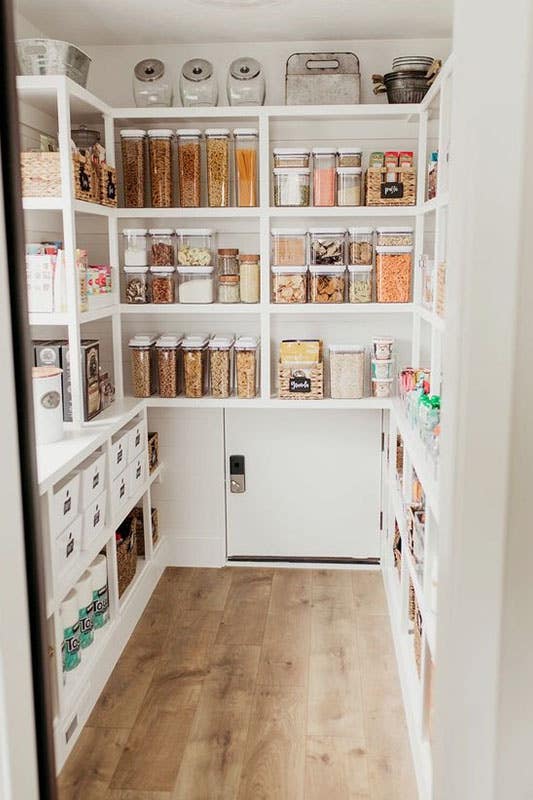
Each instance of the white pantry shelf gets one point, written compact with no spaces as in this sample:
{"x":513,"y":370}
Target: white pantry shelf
{"x":190,"y":309}
{"x":370,"y":403}
{"x":58,"y":204}
{"x":203,"y":212}
{"x":431,"y":318}
{"x":343,"y":211}
{"x":339,"y":309}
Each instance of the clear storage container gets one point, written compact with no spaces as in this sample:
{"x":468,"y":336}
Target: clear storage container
{"x":218,"y":185}
{"x":133,"y":166}
{"x":137,"y":287}
{"x":142,"y":365}
{"x":163,"y":285}
{"x":361,"y":245}
{"x":198,"y":83}
{"x":349,"y":156}
{"x":229,"y":289}
{"x":292,"y":186}
{"x":167,"y":349}
{"x":328,"y":284}
{"x":162,"y":247}
{"x":246,"y":163}
{"x":289,"y":284}
{"x":347,"y":371}
{"x":382,"y":368}
{"x":189,"y":161}
{"x":195,"y":376}
{"x":289,"y":247}
{"x":382,"y":347}
{"x":393,"y":274}
{"x":349,"y":188}
{"x":135,"y":247}
{"x":327,"y":246}
{"x":151,"y":86}
{"x":228,"y":261}
{"x":382,"y":388}
{"x":246,"y":83}
{"x":195,"y":247}
{"x":160,"y":151}
{"x":394,"y":236}
{"x":360,"y":283}
{"x":291,"y":157}
{"x":220,"y":366}
{"x":323,"y":176}
{"x":196,"y":284}
{"x":247,"y":366}
{"x":249,"y":273}
{"x":427,"y":266}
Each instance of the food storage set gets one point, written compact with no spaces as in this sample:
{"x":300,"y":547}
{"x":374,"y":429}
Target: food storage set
{"x":153,"y":159}
{"x":335,"y":265}
{"x":334,"y":176}
{"x":166,"y":266}
{"x":195,"y":365}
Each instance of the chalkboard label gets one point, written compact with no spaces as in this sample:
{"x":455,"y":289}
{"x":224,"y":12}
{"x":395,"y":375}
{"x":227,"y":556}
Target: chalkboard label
{"x":392,"y":190}
{"x":300,"y":385}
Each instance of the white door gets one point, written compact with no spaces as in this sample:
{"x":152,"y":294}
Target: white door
{"x":312,"y":484}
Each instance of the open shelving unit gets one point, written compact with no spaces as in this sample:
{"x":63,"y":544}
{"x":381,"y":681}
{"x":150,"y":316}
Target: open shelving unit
{"x":419,"y":332}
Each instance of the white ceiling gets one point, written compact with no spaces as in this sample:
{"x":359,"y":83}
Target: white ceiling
{"x":109,"y":22}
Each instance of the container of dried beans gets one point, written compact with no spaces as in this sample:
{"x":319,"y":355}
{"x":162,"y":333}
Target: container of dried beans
{"x":218,"y":183}
{"x":194,"y":350}
{"x":160,"y":151}
{"x":393,"y":274}
{"x":189,"y":175}
{"x":133,"y":166}
{"x":162,"y":247}
{"x":220,"y":365}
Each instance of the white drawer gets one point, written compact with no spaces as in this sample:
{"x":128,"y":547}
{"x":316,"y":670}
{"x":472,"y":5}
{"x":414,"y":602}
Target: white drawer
{"x":119,"y":491}
{"x":137,"y":439}
{"x":92,"y":478}
{"x":93,"y":520}
{"x":119,"y":454}
{"x":137,"y":473}
{"x":66,"y":501}
{"x":68,"y":546}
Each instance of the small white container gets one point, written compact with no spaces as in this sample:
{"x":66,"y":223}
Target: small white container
{"x":47,"y":404}
{"x":137,"y":439}
{"x":119,"y":453}
{"x":66,"y":501}
{"x":68,"y":546}
{"x":93,"y":520}
{"x":120,"y":490}
{"x":92,"y":478}
{"x":137,"y":474}
{"x":196,"y":284}
{"x":382,"y":388}
{"x":135,"y":247}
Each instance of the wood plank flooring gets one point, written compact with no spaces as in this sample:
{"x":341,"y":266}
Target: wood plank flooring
{"x":251,"y":684}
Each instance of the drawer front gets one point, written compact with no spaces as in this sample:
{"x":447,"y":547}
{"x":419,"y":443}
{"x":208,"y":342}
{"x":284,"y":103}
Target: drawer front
{"x":119,"y":455}
{"x":120,"y":491}
{"x":66,"y":503}
{"x":92,"y":480}
{"x":67,"y":547}
{"x":136,"y":440}
{"x":137,"y":473}
{"x":93,"y":520}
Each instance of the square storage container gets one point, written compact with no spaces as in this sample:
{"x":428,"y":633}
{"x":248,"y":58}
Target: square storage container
{"x":162,"y":247}
{"x":120,"y":491}
{"x":93,"y":520}
{"x":292,"y":186}
{"x":289,"y":247}
{"x":67,"y":547}
{"x":349,"y":156}
{"x":167,"y":348}
{"x":291,"y":157}
{"x":349,"y":186}
{"x":360,"y":245}
{"x":195,"y":365}
{"x":327,"y":246}
{"x":196,"y":284}
{"x":163,"y":285}
{"x":195,"y":247}
{"x":393,"y":274}
{"x":119,"y":453}
{"x":323,"y":176}
{"x":220,"y":366}
{"x":382,"y":347}
{"x":135,"y":247}
{"x":395,"y":236}
{"x":327,"y":284}
{"x":137,"y":474}
{"x":247,"y":366}
{"x":137,"y":438}
{"x":137,"y":285}
{"x":289,"y":284}
{"x":66,"y":501}
{"x":93,"y":474}
{"x":246,"y":166}
{"x":359,"y":283}
{"x":347,"y":366}
{"x":143,"y":372}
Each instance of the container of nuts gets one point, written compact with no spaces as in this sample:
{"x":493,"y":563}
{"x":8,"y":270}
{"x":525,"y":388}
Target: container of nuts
{"x":220,"y":365}
{"x":393,"y":274}
{"x":160,"y":151}
{"x":195,"y":247}
{"x":161,"y":247}
{"x":360,"y":245}
{"x":218,"y":184}
{"x":289,"y":284}
{"x":137,"y":288}
{"x":189,"y":162}
{"x":327,"y":246}
{"x":247,"y":366}
{"x":163,"y":285}
{"x":142,"y":365}
{"x":327,"y":284}
{"x":167,"y":349}
{"x":194,"y":350}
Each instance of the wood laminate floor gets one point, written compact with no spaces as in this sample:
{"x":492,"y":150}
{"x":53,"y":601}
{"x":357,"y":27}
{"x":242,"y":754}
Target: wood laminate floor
{"x":251,"y":684}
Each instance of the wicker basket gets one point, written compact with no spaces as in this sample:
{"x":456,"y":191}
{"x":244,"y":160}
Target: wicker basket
{"x":137,"y":512}
{"x":41,"y":174}
{"x":127,"y":554}
{"x":108,"y":185}
{"x":153,"y":450}
{"x":301,"y":383}
{"x":86,"y":186}
{"x":377,"y":188}
{"x":397,"y":548}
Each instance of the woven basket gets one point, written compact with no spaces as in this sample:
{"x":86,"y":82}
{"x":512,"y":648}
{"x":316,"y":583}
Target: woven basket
{"x":375,"y":180}
{"x":397,"y":548}
{"x":153,"y":450}
{"x":127,"y":554}
{"x":107,"y":185}
{"x":312,"y":379}
{"x":41,"y":174}
{"x":86,"y":186}
{"x":137,"y":512}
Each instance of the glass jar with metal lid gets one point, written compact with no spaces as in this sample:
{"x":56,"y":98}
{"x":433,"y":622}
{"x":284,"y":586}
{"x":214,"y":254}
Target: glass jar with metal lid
{"x":218,"y":185}
{"x":189,"y":174}
{"x":151,"y":86}
{"x":246,"y":83}
{"x":198,"y":83}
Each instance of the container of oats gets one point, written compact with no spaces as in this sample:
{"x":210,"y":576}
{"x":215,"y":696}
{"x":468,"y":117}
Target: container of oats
{"x":189,"y":162}
{"x":393,"y":274}
{"x":360,"y":283}
{"x":247,"y":366}
{"x":195,"y":247}
{"x":194,"y":349}
{"x":327,"y":284}
{"x":347,"y":371}
{"x":289,"y":247}
{"x":360,"y":245}
{"x":220,"y":365}
{"x":289,"y":284}
{"x":395,"y":236}
{"x":218,"y":183}
{"x":167,"y":349}
{"x":143,"y":373}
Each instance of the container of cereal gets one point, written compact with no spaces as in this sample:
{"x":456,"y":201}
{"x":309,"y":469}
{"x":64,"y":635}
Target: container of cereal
{"x":194,"y":350}
{"x":292,"y":186}
{"x":349,"y":185}
{"x":196,"y":284}
{"x":135,"y":247}
{"x":137,"y":287}
{"x":382,"y":348}
{"x":143,"y":372}
{"x":220,"y":366}
{"x":359,"y":283}
{"x":393,"y":274}
{"x":189,"y":167}
{"x":361,"y":245}
{"x":249,"y":272}
{"x":289,"y":247}
{"x":133,"y":166}
{"x":291,"y":157}
{"x":327,"y":284}
{"x":323,"y":176}
{"x":247,"y":366}
{"x":161,"y":247}
{"x":347,"y":371}
{"x":395,"y":236}
{"x":349,"y":156}
{"x":195,"y":247}
{"x":327,"y":246}
{"x":167,"y":348}
{"x":160,"y":151}
{"x":163,"y":285}
{"x":218,"y":184}
{"x":382,"y":369}
{"x":382,"y":388}
{"x":289,"y":284}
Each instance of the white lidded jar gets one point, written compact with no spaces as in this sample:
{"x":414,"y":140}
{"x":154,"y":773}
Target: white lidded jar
{"x":151,"y":86}
{"x":198,"y":83}
{"x":246,"y":83}
{"x":47,"y":405}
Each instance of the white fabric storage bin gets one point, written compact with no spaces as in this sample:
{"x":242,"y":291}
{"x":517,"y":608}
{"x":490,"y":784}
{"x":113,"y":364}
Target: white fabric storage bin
{"x":137,"y":473}
{"x":137,"y":439}
{"x":93,"y":520}
{"x":119,"y":453}
{"x":67,"y":546}
{"x":119,"y":491}
{"x":66,"y":501}
{"x":92,"y":478}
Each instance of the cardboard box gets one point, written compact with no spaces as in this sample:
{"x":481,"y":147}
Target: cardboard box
{"x":90,"y":367}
